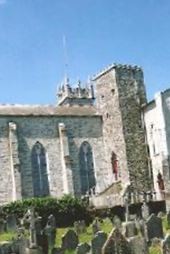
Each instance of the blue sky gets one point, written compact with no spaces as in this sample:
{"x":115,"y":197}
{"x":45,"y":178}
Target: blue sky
{"x":98,"y":32}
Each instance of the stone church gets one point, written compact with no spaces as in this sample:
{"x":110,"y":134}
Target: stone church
{"x":93,"y":138}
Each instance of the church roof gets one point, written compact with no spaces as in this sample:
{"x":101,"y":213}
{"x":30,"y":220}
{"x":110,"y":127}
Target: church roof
{"x":46,"y":110}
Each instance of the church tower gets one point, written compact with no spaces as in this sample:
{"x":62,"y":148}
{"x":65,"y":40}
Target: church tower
{"x":120,"y":94}
{"x":75,"y":95}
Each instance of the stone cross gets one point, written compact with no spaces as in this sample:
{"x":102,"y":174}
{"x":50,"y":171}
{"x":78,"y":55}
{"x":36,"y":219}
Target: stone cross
{"x":30,"y":218}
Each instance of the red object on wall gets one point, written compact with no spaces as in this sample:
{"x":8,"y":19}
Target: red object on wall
{"x":114,"y":162}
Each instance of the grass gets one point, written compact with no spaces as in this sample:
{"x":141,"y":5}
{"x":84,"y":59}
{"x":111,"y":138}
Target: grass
{"x":7,"y":236}
{"x":106,"y":226}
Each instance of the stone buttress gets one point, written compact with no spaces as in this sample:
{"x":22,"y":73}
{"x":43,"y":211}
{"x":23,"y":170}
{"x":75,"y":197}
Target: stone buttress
{"x":14,"y":162}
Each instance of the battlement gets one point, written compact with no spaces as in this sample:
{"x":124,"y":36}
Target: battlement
{"x":122,"y":67}
{"x":79,"y":94}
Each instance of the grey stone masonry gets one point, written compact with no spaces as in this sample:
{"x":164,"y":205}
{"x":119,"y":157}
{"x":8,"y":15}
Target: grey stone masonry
{"x":45,"y":129}
{"x":120,"y":94}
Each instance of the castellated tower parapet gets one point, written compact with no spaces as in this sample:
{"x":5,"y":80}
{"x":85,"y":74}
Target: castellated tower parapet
{"x":79,"y":95}
{"x":120,"y":95}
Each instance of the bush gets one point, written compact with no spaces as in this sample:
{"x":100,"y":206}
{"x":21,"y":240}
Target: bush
{"x":66,"y":210}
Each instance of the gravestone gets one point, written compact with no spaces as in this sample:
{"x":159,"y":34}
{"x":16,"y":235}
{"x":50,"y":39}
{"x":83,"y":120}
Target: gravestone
{"x":132,"y":217}
{"x":11,"y":223}
{"x":145,"y":211}
{"x":57,"y":250}
{"x":5,"y":248}
{"x":154,"y":227}
{"x":126,"y":204}
{"x":2,"y":225}
{"x":138,"y":245}
{"x":70,"y":240}
{"x":35,"y":250}
{"x":83,"y":248}
{"x":130,"y":229}
{"x":166,"y":245}
{"x":50,"y":231}
{"x":22,"y":245}
{"x":161,"y":214}
{"x":98,"y":242}
{"x":80,"y":227}
{"x":168,"y":218}
{"x":76,"y":227}
{"x":117,"y":222}
{"x":95,"y":226}
{"x":116,"y":244}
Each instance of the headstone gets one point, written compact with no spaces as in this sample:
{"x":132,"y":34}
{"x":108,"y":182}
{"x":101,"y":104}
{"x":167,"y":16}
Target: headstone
{"x":80,"y":227}
{"x":155,"y":242}
{"x":35,"y":250}
{"x":132,"y":217}
{"x":117,"y":222}
{"x":57,"y":250}
{"x":83,"y":248}
{"x":2,"y":225}
{"x":145,"y":211}
{"x":22,"y":245}
{"x":138,"y":245}
{"x":116,"y":244}
{"x":76,"y":227}
{"x":5,"y":248}
{"x":50,"y":231}
{"x":166,"y":245}
{"x":98,"y":242}
{"x":95,"y":226}
{"x":161,"y":214}
{"x":52,"y":220}
{"x":70,"y":240}
{"x":130,"y":229}
{"x":154,"y":227}
{"x":168,"y":218}
{"x":11,"y":223}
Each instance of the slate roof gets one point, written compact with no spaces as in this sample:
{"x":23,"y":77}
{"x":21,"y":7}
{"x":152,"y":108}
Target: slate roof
{"x":46,"y":110}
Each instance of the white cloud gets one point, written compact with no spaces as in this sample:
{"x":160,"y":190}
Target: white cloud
{"x":3,"y":2}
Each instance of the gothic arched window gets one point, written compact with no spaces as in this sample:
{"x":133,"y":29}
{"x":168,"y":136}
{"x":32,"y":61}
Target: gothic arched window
{"x":39,"y":171}
{"x":87,"y":176}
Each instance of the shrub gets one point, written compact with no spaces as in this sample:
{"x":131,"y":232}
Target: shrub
{"x":66,"y":210}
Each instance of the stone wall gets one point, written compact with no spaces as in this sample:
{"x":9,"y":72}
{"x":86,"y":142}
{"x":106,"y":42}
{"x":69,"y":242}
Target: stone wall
{"x":45,"y":129}
{"x":120,"y":93}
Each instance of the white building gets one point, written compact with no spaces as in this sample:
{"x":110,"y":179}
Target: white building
{"x":157,"y":122}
